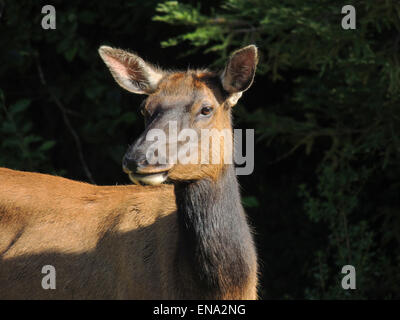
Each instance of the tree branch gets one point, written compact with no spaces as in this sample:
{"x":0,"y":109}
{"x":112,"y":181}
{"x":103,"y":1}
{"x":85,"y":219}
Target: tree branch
{"x":66,"y":120}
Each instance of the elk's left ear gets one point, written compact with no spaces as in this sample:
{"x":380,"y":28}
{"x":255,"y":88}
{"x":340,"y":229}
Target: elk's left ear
{"x":239,"y":72}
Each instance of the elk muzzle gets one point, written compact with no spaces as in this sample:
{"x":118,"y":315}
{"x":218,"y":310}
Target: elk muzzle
{"x":141,"y":165}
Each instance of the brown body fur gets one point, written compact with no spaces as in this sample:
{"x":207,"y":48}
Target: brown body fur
{"x":112,"y":242}
{"x":81,"y":229}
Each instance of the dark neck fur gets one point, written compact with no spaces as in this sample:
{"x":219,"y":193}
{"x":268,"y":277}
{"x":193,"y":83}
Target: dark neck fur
{"x":216,"y":252}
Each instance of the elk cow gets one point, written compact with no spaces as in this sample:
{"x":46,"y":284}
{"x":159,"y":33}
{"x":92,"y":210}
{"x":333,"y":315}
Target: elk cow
{"x":185,"y":239}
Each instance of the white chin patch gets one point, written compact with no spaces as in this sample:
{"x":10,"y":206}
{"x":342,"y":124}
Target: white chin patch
{"x":151,"y":179}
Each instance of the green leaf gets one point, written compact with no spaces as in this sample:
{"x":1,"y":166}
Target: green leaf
{"x":19,"y":106}
{"x":250,"y":202}
{"x":70,"y":53}
{"x":47,"y":145}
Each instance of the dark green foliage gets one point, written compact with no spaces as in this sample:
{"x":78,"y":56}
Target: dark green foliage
{"x":20,"y":147}
{"x":325,"y":106}
{"x":73,"y":100}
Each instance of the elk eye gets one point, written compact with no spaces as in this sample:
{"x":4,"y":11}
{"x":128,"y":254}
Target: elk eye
{"x":143,"y":111}
{"x":205,"y":111}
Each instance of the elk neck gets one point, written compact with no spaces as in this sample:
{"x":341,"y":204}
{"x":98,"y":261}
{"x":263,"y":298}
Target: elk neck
{"x":215,"y":242}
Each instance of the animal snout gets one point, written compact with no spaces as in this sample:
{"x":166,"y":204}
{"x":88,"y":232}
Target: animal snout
{"x":133,"y":163}
{"x":142,"y":159}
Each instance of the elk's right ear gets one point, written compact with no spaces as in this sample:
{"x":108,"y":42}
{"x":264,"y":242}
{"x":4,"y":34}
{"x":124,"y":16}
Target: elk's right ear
{"x":130,"y":71}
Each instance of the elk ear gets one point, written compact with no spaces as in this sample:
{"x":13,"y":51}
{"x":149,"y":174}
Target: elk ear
{"x":130,"y":71}
{"x":239,"y":72}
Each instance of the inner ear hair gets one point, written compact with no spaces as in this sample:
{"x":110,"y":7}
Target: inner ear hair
{"x":130,"y":71}
{"x":240,"y":70}
{"x":232,"y":100}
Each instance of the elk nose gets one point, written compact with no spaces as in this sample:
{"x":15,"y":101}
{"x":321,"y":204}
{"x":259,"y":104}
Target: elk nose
{"x":133,"y":164}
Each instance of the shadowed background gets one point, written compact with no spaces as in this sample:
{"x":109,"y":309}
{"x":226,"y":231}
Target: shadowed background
{"x":324,"y":106}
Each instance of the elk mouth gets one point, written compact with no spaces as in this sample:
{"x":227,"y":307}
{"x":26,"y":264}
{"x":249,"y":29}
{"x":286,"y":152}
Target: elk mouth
{"x":151,"y":175}
{"x":149,"y":178}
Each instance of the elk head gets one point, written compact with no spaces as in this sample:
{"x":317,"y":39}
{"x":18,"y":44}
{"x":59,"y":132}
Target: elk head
{"x":182,"y":106}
